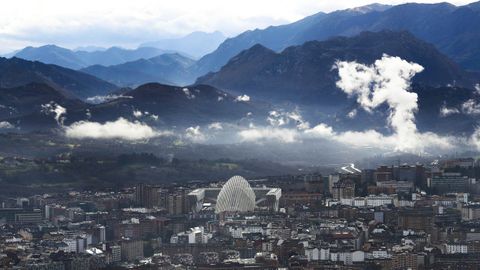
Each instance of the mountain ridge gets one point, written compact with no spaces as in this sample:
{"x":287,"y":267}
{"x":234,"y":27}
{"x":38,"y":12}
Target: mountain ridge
{"x":53,"y":54}
{"x":16,"y":72}
{"x":452,"y":29}
{"x":165,"y":68}
{"x":303,"y":73}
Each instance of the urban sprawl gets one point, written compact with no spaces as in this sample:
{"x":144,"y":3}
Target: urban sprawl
{"x":403,"y":216}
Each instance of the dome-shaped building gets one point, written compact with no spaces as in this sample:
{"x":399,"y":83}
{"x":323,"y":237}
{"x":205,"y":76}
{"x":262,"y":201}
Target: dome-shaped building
{"x":235,"y":196}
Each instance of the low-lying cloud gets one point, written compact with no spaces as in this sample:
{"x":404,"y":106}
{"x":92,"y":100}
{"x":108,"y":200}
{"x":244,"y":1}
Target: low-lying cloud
{"x":282,"y":119}
{"x":262,"y":134}
{"x":215,"y":126}
{"x":58,"y":111}
{"x":242,"y":98}
{"x":387,"y":81}
{"x":118,"y":129}
{"x":188,"y":93}
{"x":6,"y":125}
{"x":195,"y":135}
{"x":106,"y":98}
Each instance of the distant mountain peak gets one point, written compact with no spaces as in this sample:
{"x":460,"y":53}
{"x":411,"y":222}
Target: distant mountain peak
{"x":259,"y":48}
{"x":197,"y":43}
{"x":474,"y":6}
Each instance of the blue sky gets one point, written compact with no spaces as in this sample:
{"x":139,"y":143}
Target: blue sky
{"x":128,"y":23}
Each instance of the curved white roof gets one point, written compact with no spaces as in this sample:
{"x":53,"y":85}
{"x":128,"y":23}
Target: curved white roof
{"x":235,"y":196}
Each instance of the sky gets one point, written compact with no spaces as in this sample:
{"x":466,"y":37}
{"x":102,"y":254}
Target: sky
{"x":128,"y":23}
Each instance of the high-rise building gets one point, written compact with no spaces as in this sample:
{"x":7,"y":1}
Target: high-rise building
{"x":450,"y":182}
{"x":383,"y":173}
{"x":116,"y":252}
{"x":344,"y":189}
{"x":176,"y":204}
{"x":404,"y":260}
{"x":150,"y":196}
{"x":131,"y":250}
{"x":416,"y":219}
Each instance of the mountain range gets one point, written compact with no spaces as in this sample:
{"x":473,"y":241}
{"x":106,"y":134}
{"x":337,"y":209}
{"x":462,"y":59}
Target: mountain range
{"x":303,"y":74}
{"x":16,"y":72}
{"x":156,"y":104}
{"x":453,"y":30}
{"x":165,"y":68}
{"x":290,"y":66}
{"x":178,"y":106}
{"x":196,"y":44}
{"x":27,"y":99}
{"x":299,"y":75}
{"x":52,"y":54}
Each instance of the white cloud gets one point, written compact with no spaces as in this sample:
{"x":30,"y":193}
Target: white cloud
{"x":471,"y":107}
{"x":368,"y":138}
{"x":386,"y":81}
{"x":362,"y":139}
{"x":321,"y":131}
{"x":352,"y":114}
{"x":262,"y":134}
{"x":6,"y":125}
{"x":57,"y":110}
{"x":106,"y":98}
{"x":477,"y":88}
{"x":280,"y":118}
{"x":243,"y":98}
{"x":371,"y":84}
{"x":188,"y":94}
{"x":118,"y":129}
{"x":137,"y":113}
{"x":215,"y":126}
{"x":219,"y":98}
{"x":274,"y":119}
{"x":445,"y":111}
{"x":194,"y":134}
{"x":475,"y":138}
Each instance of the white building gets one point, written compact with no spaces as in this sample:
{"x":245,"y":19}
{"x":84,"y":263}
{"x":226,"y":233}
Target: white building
{"x":312,"y":254}
{"x":369,"y":201}
{"x":71,"y":245}
{"x":238,"y":231}
{"x":379,"y":200}
{"x":194,"y":235}
{"x":351,"y":257}
{"x":456,"y":248}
